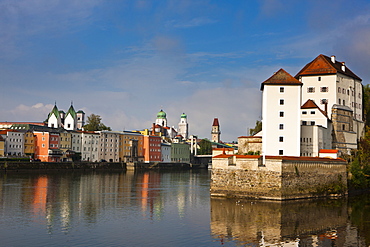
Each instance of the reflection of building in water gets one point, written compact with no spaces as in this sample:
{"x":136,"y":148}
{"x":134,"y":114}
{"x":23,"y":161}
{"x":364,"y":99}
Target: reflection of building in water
{"x":272,"y":223}
{"x":39,"y":199}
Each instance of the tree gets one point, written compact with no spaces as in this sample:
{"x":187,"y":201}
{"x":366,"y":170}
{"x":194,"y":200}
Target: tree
{"x":205,"y":147}
{"x":94,"y":123}
{"x":366,"y":104}
{"x":256,"y":129}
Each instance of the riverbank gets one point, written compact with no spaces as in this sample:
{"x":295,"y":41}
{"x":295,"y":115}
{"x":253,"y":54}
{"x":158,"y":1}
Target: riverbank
{"x":21,"y":165}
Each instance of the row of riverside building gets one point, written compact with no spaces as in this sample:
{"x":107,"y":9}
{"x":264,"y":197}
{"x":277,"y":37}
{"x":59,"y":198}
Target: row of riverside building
{"x":62,"y":138}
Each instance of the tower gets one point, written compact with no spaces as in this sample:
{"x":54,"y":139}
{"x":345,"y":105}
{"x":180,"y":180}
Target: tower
{"x":80,"y":119}
{"x":161,"y":119}
{"x":70,"y":121}
{"x":281,"y":122}
{"x":54,"y":118}
{"x":215,"y":131}
{"x":183,"y":126}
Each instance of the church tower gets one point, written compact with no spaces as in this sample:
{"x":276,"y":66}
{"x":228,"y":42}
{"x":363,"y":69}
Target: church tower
{"x":216,"y":131}
{"x":183,"y":126}
{"x":54,"y":118}
{"x":70,"y":121}
{"x":161,"y":119}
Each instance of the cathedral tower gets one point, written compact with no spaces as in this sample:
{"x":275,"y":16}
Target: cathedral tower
{"x":216,"y":131}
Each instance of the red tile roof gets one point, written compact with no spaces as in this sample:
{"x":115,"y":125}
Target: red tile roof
{"x":281,"y":78}
{"x":310,"y":104}
{"x":323,"y":65}
{"x":332,"y":151}
{"x":215,"y":122}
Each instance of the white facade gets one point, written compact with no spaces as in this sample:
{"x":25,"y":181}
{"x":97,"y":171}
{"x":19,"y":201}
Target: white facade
{"x":77,"y":142}
{"x":70,"y":123}
{"x":14,"y":143}
{"x":90,"y":145}
{"x":109,"y":146}
{"x":183,"y":126}
{"x":281,"y":118}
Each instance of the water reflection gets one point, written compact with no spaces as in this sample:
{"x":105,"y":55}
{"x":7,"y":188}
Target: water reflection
{"x":165,"y":209}
{"x":291,"y":223}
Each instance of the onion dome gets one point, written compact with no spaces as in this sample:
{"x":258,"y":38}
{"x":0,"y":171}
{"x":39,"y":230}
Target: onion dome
{"x":161,"y":114}
{"x":183,"y":115}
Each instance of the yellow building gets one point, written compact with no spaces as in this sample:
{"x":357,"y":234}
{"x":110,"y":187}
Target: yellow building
{"x":2,"y":145}
{"x":131,"y":147}
{"x":65,"y":144}
{"x":29,"y":143}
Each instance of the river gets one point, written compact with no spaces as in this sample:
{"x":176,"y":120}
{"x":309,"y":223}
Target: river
{"x":164,"y":208}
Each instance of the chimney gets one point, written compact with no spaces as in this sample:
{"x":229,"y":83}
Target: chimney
{"x":333,"y":59}
{"x":326,"y":108}
{"x":343,"y":67}
{"x":153,"y":129}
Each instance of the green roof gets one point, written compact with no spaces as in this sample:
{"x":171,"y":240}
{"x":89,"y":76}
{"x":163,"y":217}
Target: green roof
{"x":55,"y":111}
{"x":183,"y":115}
{"x":161,"y":114}
{"x":71,"y":111}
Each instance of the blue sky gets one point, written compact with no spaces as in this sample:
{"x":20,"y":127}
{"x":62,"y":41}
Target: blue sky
{"x":127,"y":60}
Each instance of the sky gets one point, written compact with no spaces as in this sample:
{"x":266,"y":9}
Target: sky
{"x":127,"y":60}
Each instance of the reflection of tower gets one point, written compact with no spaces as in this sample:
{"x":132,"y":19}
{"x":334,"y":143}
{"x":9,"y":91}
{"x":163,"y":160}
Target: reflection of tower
{"x":161,"y":119}
{"x":183,"y":126}
{"x":216,"y":131}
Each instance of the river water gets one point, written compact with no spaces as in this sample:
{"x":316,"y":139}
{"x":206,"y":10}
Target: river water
{"x":164,"y":208}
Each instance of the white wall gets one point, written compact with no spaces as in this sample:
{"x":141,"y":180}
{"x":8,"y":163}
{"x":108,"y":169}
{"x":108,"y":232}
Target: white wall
{"x":271,"y":120}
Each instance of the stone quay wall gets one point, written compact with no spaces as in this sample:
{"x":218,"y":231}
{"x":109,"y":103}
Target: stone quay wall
{"x":278,"y":178}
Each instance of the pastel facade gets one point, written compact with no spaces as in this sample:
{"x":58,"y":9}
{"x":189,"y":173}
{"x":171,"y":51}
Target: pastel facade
{"x":14,"y":143}
{"x":180,"y":152}
{"x":2,"y":146}
{"x":166,"y":152}
{"x":65,"y":144}
{"x":76,"y":141}
{"x":90,"y":146}
{"x":47,"y":146}
{"x":152,"y":148}
{"x":109,"y":146}
{"x":131,"y":147}
{"x":29,"y":143}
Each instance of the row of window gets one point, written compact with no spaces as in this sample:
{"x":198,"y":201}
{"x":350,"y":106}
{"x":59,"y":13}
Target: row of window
{"x":322,"y":89}
{"x":346,"y":91}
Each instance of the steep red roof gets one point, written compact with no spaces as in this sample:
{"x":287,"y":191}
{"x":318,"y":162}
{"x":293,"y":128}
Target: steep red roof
{"x":310,"y":104}
{"x":323,"y":65}
{"x":215,"y":122}
{"x":281,"y":78}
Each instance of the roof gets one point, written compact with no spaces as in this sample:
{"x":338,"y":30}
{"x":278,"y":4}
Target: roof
{"x":323,"y":65}
{"x":215,"y":122}
{"x":54,"y":111}
{"x":281,"y":77}
{"x":332,"y":151}
{"x":310,"y":104}
{"x":72,"y":112}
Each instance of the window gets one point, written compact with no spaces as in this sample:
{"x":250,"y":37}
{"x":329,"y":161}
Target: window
{"x":319,"y":78}
{"x":281,"y":126}
{"x":304,"y":112}
{"x":281,"y":102}
{"x":339,"y":101}
{"x":312,"y":122}
{"x":343,"y":127}
{"x":343,"y":91}
{"x":324,"y":89}
{"x":312,"y":112}
{"x":281,"y":152}
{"x":324,"y":101}
{"x":347,"y":91}
{"x":344,"y":102}
{"x":281,"y":114}
{"x":304,"y":122}
{"x":281,"y":89}
{"x":310,"y":90}
{"x":281,"y":139}
{"x":339,"y":90}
